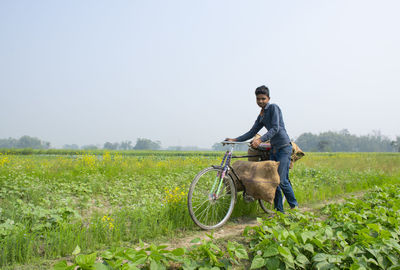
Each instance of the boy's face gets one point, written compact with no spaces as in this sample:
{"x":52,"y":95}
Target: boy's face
{"x":262,"y":100}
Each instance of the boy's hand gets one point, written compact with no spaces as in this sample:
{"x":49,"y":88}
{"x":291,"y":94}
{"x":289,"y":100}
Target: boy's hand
{"x":255,"y":143}
{"x":230,"y":140}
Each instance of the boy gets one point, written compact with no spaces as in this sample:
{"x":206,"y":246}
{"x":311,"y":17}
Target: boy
{"x":271,"y":118}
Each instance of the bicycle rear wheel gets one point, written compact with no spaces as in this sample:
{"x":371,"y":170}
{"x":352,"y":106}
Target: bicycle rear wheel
{"x":209,"y":208}
{"x":266,"y":207}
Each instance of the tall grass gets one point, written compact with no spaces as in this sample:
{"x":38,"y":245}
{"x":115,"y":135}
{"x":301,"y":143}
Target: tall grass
{"x":321,"y":176}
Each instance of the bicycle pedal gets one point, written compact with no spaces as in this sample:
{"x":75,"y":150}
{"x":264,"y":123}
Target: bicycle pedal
{"x":248,"y":198}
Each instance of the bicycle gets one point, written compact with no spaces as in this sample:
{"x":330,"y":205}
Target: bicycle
{"x":212,"y":193}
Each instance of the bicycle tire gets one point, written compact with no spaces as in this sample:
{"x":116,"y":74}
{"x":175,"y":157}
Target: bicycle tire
{"x":207,"y":211}
{"x":264,"y":207}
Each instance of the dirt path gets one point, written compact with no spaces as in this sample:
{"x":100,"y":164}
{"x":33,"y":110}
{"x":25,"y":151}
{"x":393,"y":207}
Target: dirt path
{"x":235,"y":229}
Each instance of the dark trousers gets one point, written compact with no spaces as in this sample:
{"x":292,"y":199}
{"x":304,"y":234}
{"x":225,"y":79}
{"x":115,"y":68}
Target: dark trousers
{"x":283,"y":156}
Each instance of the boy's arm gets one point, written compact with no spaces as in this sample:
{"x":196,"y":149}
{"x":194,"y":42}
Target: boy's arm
{"x":251,"y":133}
{"x":274,"y":124}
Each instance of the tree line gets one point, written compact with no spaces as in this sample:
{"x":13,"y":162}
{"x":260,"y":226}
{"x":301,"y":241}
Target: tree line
{"x":35,"y":143}
{"x":141,"y":144}
{"x":330,"y":141}
{"x":24,"y":142}
{"x":343,"y":141}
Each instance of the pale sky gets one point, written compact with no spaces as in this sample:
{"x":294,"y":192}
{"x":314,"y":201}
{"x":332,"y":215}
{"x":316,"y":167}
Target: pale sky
{"x":184,"y":72}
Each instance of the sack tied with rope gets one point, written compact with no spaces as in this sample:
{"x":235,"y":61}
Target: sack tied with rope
{"x":259,"y":176}
{"x":263,"y":152}
{"x":258,"y":179}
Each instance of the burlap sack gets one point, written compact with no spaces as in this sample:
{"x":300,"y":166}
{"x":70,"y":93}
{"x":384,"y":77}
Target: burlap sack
{"x":297,"y":153}
{"x":257,"y":155}
{"x":258,"y":179}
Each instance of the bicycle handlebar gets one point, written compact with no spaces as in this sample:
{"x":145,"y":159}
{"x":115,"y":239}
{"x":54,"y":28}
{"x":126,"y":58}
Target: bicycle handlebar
{"x":229,"y":142}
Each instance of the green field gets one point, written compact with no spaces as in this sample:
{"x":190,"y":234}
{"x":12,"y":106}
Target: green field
{"x":51,"y":203}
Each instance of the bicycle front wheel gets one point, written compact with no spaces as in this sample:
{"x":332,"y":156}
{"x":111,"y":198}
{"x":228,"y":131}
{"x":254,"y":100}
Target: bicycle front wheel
{"x":211,"y":199}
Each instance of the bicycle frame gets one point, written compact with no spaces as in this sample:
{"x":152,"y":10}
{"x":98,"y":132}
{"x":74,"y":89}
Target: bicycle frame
{"x":212,"y":193}
{"x":225,"y":166}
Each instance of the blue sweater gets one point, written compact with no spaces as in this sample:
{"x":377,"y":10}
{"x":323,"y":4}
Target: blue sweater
{"x":272,"y":120}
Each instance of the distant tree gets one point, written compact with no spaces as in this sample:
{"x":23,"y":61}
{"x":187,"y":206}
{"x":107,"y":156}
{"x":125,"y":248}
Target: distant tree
{"x":8,"y":143}
{"x":111,"y":146}
{"x":175,"y":148}
{"x":343,"y":141}
{"x":146,"y":144}
{"x":89,"y":147}
{"x":344,"y":132}
{"x":396,"y":144}
{"x":46,"y":145}
{"x":107,"y":145}
{"x":125,"y":145}
{"x":308,"y":142}
{"x":323,"y":146}
{"x":24,"y":142}
{"x":71,"y":146}
{"x":218,"y":147}
{"x":28,"y":142}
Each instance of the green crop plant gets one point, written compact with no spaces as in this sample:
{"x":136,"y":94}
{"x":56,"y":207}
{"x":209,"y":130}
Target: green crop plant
{"x":360,"y":234}
{"x":50,"y":202}
{"x":204,"y":254}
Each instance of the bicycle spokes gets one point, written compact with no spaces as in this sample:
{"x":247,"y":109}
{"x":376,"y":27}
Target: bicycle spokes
{"x":210,"y":206}
{"x":212,"y":194}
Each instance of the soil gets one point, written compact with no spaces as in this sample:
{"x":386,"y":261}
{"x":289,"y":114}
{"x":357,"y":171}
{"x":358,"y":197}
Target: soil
{"x":231,"y":230}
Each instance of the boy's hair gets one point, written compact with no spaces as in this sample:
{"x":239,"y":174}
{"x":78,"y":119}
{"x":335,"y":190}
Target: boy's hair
{"x":263,"y":90}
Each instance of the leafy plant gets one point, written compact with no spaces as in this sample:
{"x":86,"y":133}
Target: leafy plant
{"x":358,"y":234}
{"x":81,"y":187}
